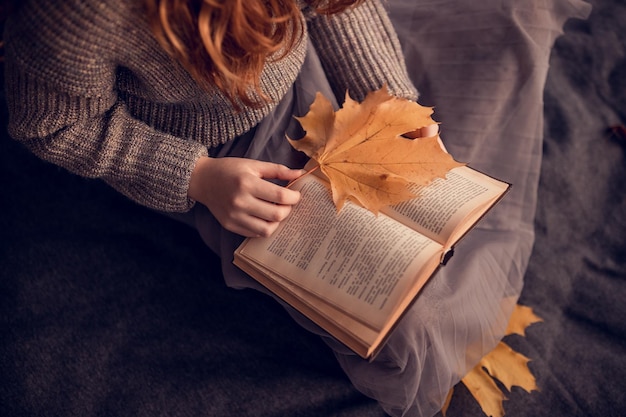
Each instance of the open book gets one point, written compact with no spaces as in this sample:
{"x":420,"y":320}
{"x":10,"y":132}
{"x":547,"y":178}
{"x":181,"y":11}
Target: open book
{"x":354,"y":273}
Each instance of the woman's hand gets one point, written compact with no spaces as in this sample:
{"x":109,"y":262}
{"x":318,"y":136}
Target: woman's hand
{"x":235,"y":190}
{"x":424,"y":132}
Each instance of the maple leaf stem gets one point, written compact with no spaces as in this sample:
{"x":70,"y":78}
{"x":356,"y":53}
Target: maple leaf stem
{"x":315,"y":168}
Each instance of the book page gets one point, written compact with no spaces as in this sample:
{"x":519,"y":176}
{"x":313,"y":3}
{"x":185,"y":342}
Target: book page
{"x":446,"y":204}
{"x":361,"y":262}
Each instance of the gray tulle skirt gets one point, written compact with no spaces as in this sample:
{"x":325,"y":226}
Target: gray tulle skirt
{"x":482,"y":65}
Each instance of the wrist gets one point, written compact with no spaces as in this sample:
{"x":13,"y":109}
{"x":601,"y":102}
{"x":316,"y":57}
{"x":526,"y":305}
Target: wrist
{"x":198,"y":177}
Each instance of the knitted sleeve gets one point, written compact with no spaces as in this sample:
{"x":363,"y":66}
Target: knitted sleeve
{"x":60,"y":74}
{"x":360,"y":51}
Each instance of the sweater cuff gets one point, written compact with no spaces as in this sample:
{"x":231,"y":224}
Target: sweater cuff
{"x":162,"y":181}
{"x":360,"y":52}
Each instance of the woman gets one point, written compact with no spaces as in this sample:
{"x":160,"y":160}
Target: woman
{"x":183,"y":107}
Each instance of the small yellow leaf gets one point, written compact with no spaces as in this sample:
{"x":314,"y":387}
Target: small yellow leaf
{"x":521,"y":318}
{"x":503,"y":364}
{"x":485,"y":391}
{"x":361,"y":150}
{"x":509,"y":367}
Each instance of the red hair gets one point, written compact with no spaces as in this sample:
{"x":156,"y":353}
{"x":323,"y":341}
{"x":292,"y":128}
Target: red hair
{"x":225,"y":43}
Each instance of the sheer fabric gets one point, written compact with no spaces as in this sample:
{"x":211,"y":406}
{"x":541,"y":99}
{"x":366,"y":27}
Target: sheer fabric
{"x":483,"y":65}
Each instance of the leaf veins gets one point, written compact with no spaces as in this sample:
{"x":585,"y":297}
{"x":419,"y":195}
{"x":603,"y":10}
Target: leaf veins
{"x":361,"y":150}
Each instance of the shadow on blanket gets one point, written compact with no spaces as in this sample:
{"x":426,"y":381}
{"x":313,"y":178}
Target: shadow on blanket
{"x":109,"y":309}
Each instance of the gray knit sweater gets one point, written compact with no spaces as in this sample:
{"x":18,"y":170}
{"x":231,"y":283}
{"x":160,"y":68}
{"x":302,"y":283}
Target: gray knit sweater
{"x":89,"y":88}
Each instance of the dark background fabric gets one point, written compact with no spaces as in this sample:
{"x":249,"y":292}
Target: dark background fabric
{"x":109,"y":309}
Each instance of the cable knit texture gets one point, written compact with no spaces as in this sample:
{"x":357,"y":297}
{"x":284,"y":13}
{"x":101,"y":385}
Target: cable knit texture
{"x":90,"y":89}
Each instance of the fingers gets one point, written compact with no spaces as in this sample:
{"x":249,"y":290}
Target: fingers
{"x":267,"y":202}
{"x":251,"y":216}
{"x":270,"y":170}
{"x":262,"y":199}
{"x":429,"y":131}
{"x":255,"y":206}
{"x":270,"y":203}
{"x":275,"y":194}
{"x":250,"y":226}
{"x":238,"y":193}
{"x":423,"y":132}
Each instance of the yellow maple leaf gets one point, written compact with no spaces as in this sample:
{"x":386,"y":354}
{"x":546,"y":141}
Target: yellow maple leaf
{"x":485,"y":391}
{"x":509,"y":367}
{"x":360,"y":148}
{"x":504,"y":364}
{"x":521,"y":318}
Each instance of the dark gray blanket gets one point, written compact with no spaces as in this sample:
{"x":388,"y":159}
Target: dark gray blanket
{"x":108,"y":309}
